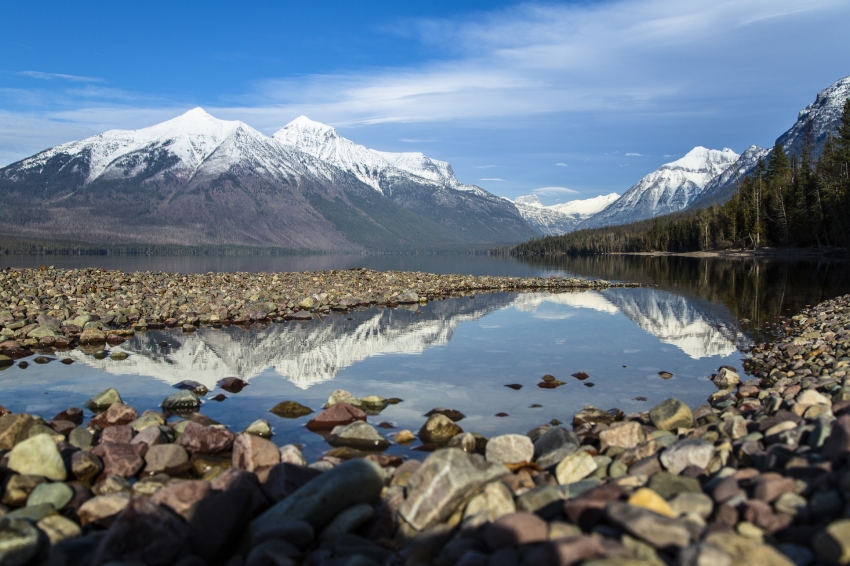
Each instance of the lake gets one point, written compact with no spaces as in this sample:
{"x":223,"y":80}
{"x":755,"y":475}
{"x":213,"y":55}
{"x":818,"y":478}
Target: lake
{"x":693,"y":316}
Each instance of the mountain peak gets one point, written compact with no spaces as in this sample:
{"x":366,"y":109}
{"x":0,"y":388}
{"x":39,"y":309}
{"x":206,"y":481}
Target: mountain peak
{"x":306,"y":125}
{"x":531,"y":200}
{"x":701,"y":159}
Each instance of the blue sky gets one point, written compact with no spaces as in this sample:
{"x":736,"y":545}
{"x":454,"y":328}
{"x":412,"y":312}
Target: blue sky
{"x":565,"y":99}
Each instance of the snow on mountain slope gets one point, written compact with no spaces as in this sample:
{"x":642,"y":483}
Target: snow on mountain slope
{"x":421,"y":165}
{"x":192,"y":137}
{"x":822,"y":116}
{"x":562,"y":218}
{"x":721,"y":188}
{"x":670,"y":188}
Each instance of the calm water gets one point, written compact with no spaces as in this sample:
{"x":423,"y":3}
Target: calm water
{"x":457,"y":353}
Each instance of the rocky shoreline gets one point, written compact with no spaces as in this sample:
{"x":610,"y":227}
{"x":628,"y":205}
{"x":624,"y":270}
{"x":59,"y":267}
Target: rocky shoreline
{"x":64,"y":308}
{"x":758,"y":475}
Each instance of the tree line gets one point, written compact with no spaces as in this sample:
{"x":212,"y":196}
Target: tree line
{"x":796,"y":201}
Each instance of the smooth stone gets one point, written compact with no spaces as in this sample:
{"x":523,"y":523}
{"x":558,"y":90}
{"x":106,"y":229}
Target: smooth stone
{"x":290,"y":410}
{"x":182,"y":496}
{"x":575,"y":467}
{"x":59,"y":528}
{"x":833,"y":543}
{"x":103,"y":400}
{"x":147,"y":420}
{"x":627,"y":434}
{"x":291,"y":454}
{"x":253,"y":453}
{"x":57,"y":494}
{"x":92,"y":336}
{"x":769,"y":486}
{"x":347,"y":521}
{"x":358,"y":434}
{"x":119,"y":459}
{"x":20,"y":542}
{"x":13,"y":429}
{"x":657,"y":530}
{"x":199,"y":439}
{"x":509,"y":449}
{"x":38,"y":456}
{"x":32,"y":512}
{"x":102,"y":508}
{"x":668,"y":485}
{"x":85,"y":466}
{"x":340,"y":413}
{"x":556,"y":438}
{"x":515,"y":529}
{"x":259,"y":427}
{"x":453,"y":414}
{"x":746,"y":552}
{"x":566,"y":551}
{"x":494,"y":501}
{"x":298,"y":533}
{"x":182,"y":401}
{"x":143,"y":532}
{"x":671,"y":414}
{"x":650,"y":500}
{"x":691,"y":502}
{"x":704,"y":555}
{"x":374,"y":402}
{"x":323,"y":498}
{"x":438,"y":429}
{"x":343,"y":396}
{"x":81,"y":438}
{"x":171,"y":459}
{"x":18,"y":489}
{"x":444,"y":480}
{"x":726,"y":379}
{"x":150,"y":436}
{"x":545,"y":500}
{"x":688,"y":452}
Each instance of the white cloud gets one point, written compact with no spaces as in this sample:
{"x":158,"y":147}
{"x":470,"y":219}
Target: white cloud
{"x":413,"y":140}
{"x":561,"y":165}
{"x":492,"y":179}
{"x":635,"y":155}
{"x":554,"y":191}
{"x":50,"y":76}
{"x":489,"y":166}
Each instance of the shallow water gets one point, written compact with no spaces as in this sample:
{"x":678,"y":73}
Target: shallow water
{"x":460,"y":353}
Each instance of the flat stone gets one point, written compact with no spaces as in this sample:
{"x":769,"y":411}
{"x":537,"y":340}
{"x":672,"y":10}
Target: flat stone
{"x":150,"y":436}
{"x":171,"y":459}
{"x":769,"y":486}
{"x":545,"y":500}
{"x":182,"y":496}
{"x":746,"y":552}
{"x":323,"y":498}
{"x":359,"y":435}
{"x":253,"y":453}
{"x":575,"y":467}
{"x":285,"y":479}
{"x":13,"y":429}
{"x":20,"y":542}
{"x":259,"y":427}
{"x":92,"y":336}
{"x":650,"y":500}
{"x":657,"y":530}
{"x":515,"y":529}
{"x":494,"y":501}
{"x":509,"y":449}
{"x":833,"y":543}
{"x":38,"y":456}
{"x":297,"y":533}
{"x":119,"y":459}
{"x":688,"y":452}
{"x":691,"y":502}
{"x":200,"y":439}
{"x":338,"y":414}
{"x":58,"y":528}
{"x":627,"y":434}
{"x":182,"y":401}
{"x":103,"y":508}
{"x":703,"y":555}
{"x":438,"y":429}
{"x":668,"y":485}
{"x":81,"y":438}
{"x":56,"y":494}
{"x":445,"y":479}
{"x":143,"y":532}
{"x":103,"y":400}
{"x":555,"y":438}
{"x":148,"y":420}
{"x":811,"y":397}
{"x":290,"y":410}
{"x":18,"y":489}
{"x":671,"y":414}
{"x":122,"y":434}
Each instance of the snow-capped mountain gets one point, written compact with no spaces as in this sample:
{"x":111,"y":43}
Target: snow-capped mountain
{"x":670,"y":188}
{"x":722,"y":187}
{"x":198,"y":180}
{"x":817,"y":120}
{"x":558,"y":219}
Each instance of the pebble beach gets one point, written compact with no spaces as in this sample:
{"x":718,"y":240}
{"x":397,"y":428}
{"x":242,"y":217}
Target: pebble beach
{"x":759,"y":474}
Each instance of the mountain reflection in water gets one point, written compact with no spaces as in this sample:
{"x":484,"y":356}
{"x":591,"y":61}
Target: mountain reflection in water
{"x":313,"y":352}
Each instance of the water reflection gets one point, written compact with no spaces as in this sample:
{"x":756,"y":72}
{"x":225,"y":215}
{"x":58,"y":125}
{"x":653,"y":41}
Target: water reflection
{"x":314,"y":352}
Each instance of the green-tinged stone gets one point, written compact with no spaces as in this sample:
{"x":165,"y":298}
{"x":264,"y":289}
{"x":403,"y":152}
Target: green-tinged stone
{"x":57,"y":494}
{"x":290,"y":410}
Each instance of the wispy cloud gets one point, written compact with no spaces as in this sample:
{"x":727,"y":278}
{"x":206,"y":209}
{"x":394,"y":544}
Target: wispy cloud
{"x":489,"y":166}
{"x":493,"y":179}
{"x":554,"y":191}
{"x":561,"y":165}
{"x":416,"y":140}
{"x":51,"y":76}
{"x":667,"y":155}
{"x":635,"y":155}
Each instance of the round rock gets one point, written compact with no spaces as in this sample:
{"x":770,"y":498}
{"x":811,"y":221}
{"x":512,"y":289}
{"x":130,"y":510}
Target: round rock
{"x":510,"y":449}
{"x":38,"y":456}
{"x":182,"y":401}
{"x":358,"y":435}
{"x":671,"y":414}
{"x":57,"y":494}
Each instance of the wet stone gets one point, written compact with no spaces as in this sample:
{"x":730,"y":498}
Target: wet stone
{"x":103,"y":400}
{"x":671,"y":415}
{"x":171,"y":459}
{"x":338,"y":414}
{"x":253,"y":453}
{"x":359,"y":435}
{"x":438,"y":429}
{"x":290,"y":410}
{"x":454,"y":415}
{"x":181,"y":401}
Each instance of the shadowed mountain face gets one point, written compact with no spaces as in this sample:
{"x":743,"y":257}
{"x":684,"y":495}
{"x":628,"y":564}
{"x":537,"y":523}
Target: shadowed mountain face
{"x":311,"y":353}
{"x":196,"y":180}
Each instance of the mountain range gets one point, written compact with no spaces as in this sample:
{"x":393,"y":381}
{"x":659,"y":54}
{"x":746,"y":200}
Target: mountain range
{"x":199,"y":181}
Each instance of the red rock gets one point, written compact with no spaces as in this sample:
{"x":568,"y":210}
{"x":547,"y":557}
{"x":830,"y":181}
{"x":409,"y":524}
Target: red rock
{"x":116,"y":414}
{"x":770,"y":485}
{"x":142,"y":532}
{"x":252,"y":453}
{"x":201,"y":439}
{"x":182,"y":496}
{"x":232,"y":384}
{"x":515,"y":529}
{"x":114,"y":339}
{"x":338,"y":414}
{"x":588,"y":508}
{"x":74,"y":414}
{"x":761,"y":515}
{"x":118,"y":459}
{"x":121,"y":434}
{"x":62,"y":427}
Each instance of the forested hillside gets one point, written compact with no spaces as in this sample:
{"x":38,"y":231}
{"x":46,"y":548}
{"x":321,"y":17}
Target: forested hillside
{"x":786,"y":202}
